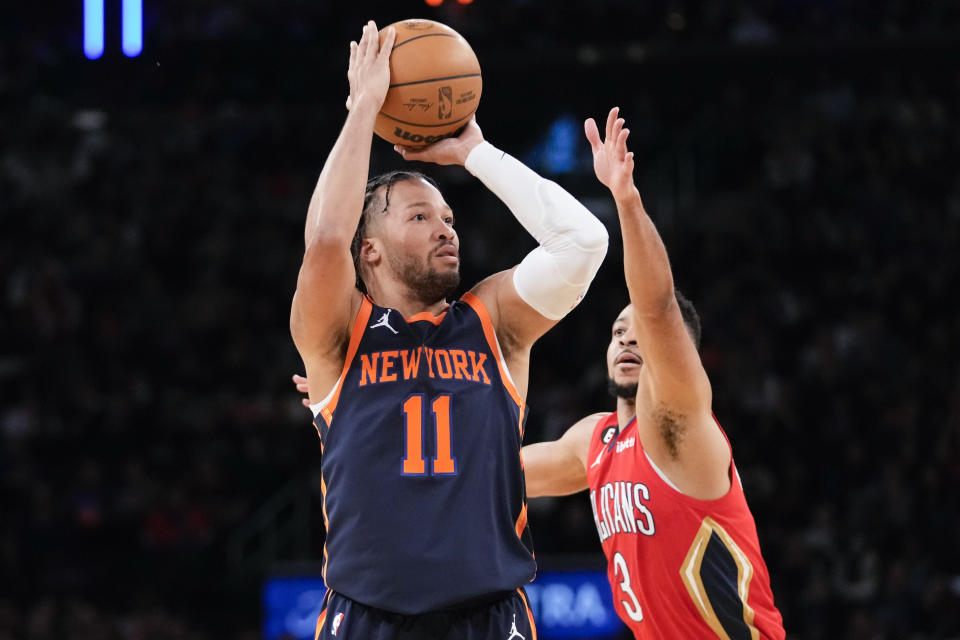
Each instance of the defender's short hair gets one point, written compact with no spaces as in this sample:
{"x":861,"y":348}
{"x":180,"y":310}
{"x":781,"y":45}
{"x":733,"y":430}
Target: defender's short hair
{"x":690,"y":317}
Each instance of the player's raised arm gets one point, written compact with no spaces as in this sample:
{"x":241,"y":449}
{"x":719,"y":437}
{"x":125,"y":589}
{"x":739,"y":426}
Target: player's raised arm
{"x":325,"y":293}
{"x":678,"y":391}
{"x":529,"y":299}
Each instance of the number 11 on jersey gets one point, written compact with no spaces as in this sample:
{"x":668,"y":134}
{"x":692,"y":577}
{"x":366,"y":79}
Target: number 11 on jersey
{"x":443,"y":464}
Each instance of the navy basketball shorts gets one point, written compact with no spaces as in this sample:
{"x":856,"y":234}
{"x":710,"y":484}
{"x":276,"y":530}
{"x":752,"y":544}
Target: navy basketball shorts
{"x":505,"y":618}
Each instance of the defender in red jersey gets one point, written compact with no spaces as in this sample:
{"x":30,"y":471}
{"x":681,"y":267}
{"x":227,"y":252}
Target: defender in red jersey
{"x":683,"y":557}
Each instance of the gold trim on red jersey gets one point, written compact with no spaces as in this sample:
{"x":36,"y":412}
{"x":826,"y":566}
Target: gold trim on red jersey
{"x":692,"y":580}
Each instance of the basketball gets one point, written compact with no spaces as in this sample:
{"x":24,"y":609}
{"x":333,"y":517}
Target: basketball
{"x":435,"y":84}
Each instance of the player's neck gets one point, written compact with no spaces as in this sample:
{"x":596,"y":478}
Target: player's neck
{"x":401,"y":299}
{"x":626,"y":410}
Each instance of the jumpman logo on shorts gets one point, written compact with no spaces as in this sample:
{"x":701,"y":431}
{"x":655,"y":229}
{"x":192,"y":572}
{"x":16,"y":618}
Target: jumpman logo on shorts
{"x":384,"y":321}
{"x":513,"y":630}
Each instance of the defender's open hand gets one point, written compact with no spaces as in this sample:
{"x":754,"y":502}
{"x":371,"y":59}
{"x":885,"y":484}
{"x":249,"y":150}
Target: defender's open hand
{"x":612,"y":163}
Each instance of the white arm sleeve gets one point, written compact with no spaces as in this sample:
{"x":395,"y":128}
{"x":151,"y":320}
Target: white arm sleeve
{"x":555,"y":276}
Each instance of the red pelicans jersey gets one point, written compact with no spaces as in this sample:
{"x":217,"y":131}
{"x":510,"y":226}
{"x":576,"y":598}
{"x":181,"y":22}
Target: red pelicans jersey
{"x":680,"y":568}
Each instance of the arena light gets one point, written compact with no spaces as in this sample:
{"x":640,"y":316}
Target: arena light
{"x":132,"y":17}
{"x":92,"y":29}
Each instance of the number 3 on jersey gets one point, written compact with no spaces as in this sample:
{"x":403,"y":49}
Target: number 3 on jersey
{"x":443,"y":464}
{"x":633,"y":607}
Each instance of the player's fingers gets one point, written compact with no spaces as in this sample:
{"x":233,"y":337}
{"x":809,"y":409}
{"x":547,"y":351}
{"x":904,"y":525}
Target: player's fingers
{"x":364,"y":45}
{"x":408,"y":153}
{"x":470,"y":126}
{"x":389,"y":38}
{"x":622,"y":143}
{"x":611,"y":118}
{"x":361,"y":43}
{"x":305,"y":402}
{"x":592,"y":133}
{"x":349,"y":102}
{"x":373,"y":37}
{"x":352,"y":65}
{"x":615,"y":133}
{"x":297,"y":378}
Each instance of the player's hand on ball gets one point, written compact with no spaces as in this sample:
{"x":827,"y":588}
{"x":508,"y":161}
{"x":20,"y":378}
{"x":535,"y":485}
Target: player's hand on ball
{"x":369,"y":69}
{"x":612,"y":163}
{"x":448,"y":150}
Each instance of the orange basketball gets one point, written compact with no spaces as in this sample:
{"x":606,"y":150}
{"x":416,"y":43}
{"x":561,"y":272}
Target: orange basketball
{"x":435,"y":84}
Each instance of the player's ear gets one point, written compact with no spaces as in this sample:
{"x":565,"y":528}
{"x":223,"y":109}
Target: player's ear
{"x":370,"y":251}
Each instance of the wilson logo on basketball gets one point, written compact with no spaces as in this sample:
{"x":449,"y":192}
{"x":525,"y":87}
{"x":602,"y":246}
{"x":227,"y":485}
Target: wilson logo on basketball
{"x":416,"y":138}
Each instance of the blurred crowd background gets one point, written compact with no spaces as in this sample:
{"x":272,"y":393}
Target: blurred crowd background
{"x":800,"y":157}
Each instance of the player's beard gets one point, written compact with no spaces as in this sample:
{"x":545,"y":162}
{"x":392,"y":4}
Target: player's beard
{"x":426,"y":283}
{"x":625,"y":391}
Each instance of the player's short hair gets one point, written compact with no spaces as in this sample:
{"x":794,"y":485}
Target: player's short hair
{"x":375,"y":201}
{"x":690,"y":317}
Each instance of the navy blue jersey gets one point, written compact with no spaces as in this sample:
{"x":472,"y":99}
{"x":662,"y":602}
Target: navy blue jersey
{"x":424,"y":497}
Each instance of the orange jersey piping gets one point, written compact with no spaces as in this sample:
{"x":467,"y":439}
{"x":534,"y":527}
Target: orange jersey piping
{"x":533,"y":626}
{"x":359,"y":326}
{"x":491,"y":336}
{"x":426,"y":315}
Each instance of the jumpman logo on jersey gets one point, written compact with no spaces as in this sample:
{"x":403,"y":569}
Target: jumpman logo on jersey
{"x":384,"y":321}
{"x":513,"y":630}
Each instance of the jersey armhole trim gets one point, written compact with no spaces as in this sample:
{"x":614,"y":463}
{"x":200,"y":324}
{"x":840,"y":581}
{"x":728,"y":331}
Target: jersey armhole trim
{"x":660,"y":473}
{"x":491,"y":335}
{"x":328,"y":405}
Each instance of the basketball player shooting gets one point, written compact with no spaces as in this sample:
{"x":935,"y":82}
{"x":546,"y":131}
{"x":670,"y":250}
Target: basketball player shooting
{"x":681,"y":544}
{"x":419,"y":402}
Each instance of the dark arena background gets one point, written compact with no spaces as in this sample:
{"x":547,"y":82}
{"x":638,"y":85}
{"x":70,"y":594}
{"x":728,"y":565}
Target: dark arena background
{"x":159,"y":478}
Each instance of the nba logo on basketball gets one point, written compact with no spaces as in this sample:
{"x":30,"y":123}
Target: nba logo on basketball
{"x":445,"y":99}
{"x":337,"y":619}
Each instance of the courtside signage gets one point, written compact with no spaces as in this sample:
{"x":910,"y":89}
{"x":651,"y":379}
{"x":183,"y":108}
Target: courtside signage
{"x":565,"y":604}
